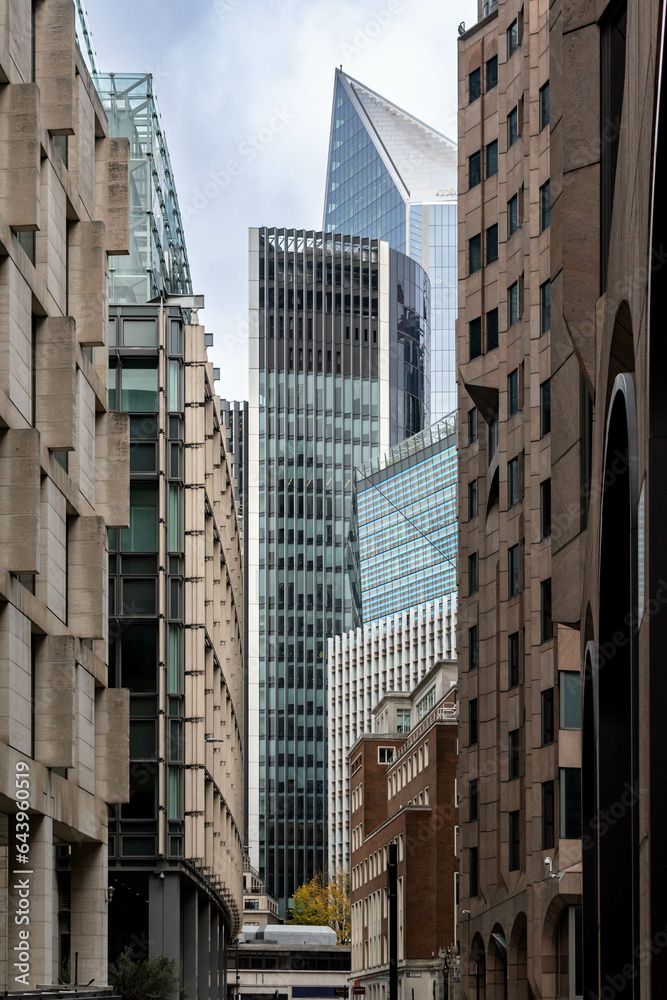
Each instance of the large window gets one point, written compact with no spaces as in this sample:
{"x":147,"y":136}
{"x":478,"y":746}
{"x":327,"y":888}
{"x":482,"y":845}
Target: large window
{"x":475,"y":253}
{"x":570,"y":803}
{"x":570,"y":699}
{"x":513,"y":37}
{"x":514,"y":841}
{"x":425,"y":704}
{"x":138,"y":657}
{"x":492,"y":159}
{"x":475,"y":335}
{"x":133,"y":382}
{"x":142,"y":535}
{"x":474,"y":84}
{"x":548,"y":815}
{"x":491,"y":73}
{"x":403,"y":720}
{"x":474,"y":170}
{"x":492,"y":329}
{"x":492,"y":244}
{"x":513,"y":581}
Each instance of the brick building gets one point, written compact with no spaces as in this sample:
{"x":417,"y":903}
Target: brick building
{"x":402,"y":791}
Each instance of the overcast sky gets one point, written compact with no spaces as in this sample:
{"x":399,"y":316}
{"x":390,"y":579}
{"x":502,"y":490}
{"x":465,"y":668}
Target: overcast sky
{"x":250,"y":82}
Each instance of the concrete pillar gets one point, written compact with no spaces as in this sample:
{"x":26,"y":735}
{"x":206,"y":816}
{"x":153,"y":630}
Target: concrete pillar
{"x":31,"y":889}
{"x":164,"y":909}
{"x":4,"y":903}
{"x":204,"y":948}
{"x":214,"y":953}
{"x":190,"y":942}
{"x":222,"y":960}
{"x":89,"y":912}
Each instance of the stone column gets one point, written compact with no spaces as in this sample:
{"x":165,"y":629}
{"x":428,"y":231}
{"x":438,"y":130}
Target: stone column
{"x":204,"y":947}
{"x":190,"y":943}
{"x":89,"y":912}
{"x":214,"y":952}
{"x":164,"y":913}
{"x":31,"y":893}
{"x":4,"y":905}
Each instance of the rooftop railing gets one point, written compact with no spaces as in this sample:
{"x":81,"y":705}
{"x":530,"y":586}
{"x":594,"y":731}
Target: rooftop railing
{"x":441,"y":713}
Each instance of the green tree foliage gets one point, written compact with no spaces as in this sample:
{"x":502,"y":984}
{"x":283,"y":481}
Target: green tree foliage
{"x":145,"y":979}
{"x":324,"y":901}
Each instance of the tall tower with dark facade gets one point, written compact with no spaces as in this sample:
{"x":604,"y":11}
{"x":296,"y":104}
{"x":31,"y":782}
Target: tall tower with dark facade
{"x":339,"y":351}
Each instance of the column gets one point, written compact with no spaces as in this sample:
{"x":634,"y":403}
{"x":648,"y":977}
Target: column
{"x":89,"y":912}
{"x":190,"y":941}
{"x":204,"y":948}
{"x":164,"y":910}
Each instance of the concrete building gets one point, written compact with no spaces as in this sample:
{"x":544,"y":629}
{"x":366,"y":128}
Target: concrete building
{"x":64,"y":477}
{"x":392,"y":654}
{"x":289,"y":963}
{"x":403,"y":792}
{"x":259,"y":909}
{"x":330,"y":317}
{"x":520,"y":748}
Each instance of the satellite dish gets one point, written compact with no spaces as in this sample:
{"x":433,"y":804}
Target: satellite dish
{"x":462,"y":28}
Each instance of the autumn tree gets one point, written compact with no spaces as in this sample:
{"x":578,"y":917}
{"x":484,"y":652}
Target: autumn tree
{"x":324,"y":901}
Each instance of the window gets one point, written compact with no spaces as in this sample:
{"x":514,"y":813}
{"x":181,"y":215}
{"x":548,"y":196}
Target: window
{"x":513,"y":392}
{"x":475,"y":334}
{"x":492,"y":159}
{"x":472,"y":722}
{"x":548,"y":815}
{"x":472,"y":499}
{"x":512,"y":304}
{"x":492,"y":244}
{"x":545,"y":206}
{"x":474,"y":170}
{"x":474,"y":84}
{"x":545,"y":307}
{"x":425,"y":704}
{"x":513,"y":38}
{"x":385,"y":755}
{"x":513,"y":754}
{"x":570,"y":803}
{"x":515,"y":841}
{"x":513,"y":126}
{"x":473,"y":647}
{"x":492,"y":330}
{"x":473,"y":584}
{"x":403,"y":720}
{"x":545,"y":508}
{"x":491,"y":73}
{"x":513,"y":660}
{"x":547,"y":717}
{"x":513,"y":571}
{"x":473,"y":801}
{"x":142,"y":534}
{"x":545,"y":408}
{"x":475,"y":253}
{"x":512,"y":215}
{"x":544,"y":106}
{"x":472,"y":425}
{"x":136,"y":382}
{"x":570,"y":699}
{"x":474,"y":872}
{"x":513,"y":482}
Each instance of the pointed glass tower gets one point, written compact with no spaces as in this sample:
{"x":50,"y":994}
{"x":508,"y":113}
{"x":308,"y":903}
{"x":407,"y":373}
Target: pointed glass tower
{"x":393,"y":178}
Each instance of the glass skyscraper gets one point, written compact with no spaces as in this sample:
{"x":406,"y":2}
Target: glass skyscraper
{"x":339,"y":362}
{"x":393,"y":178}
{"x":403,"y":532}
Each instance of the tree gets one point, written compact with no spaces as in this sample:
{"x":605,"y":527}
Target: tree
{"x":146,"y":979}
{"x":324,"y":901}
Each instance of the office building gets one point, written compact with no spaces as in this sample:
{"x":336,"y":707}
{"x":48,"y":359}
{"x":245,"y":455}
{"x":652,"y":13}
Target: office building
{"x":609,"y":551}
{"x":293,"y":962}
{"x":391,"y":177}
{"x":64,"y":483}
{"x":404,"y":531}
{"x":520,"y":741}
{"x":339,"y":342}
{"x":403,"y":792}
{"x":390,"y":654}
{"x":234,"y":415}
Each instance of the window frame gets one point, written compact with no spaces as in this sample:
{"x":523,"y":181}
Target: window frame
{"x":475,"y":157}
{"x":491,"y":232}
{"x":492,"y":345}
{"x":545,"y":408}
{"x":512,"y":379}
{"x":548,"y":814}
{"x":514,"y":840}
{"x":513,"y":571}
{"x":513,"y":668}
{"x":545,"y":205}
{"x":544,"y":106}
{"x":473,"y":647}
{"x":513,"y":130}
{"x":513,"y":305}
{"x":547,"y":717}
{"x":473,"y":722}
{"x":545,"y":508}
{"x":513,"y":754}
{"x":473,"y":500}
{"x":475,"y":246}
{"x":545,"y":307}
{"x":475,"y":72}
{"x":492,"y":62}
{"x":491,"y":148}
{"x":513,"y":482}
{"x":513,"y":224}
{"x":475,"y":338}
{"x":565,"y":676}
{"x":473,"y":574}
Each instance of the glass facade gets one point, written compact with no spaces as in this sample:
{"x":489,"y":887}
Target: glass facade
{"x":391,"y":177}
{"x":339,"y":371}
{"x":403,"y":533}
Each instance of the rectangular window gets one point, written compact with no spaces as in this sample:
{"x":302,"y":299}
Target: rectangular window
{"x":515,"y":841}
{"x":513,"y":482}
{"x":513,"y":126}
{"x":512,"y":215}
{"x":174,"y":385}
{"x":473,"y":647}
{"x":473,"y":801}
{"x":570,"y":803}
{"x":472,"y":499}
{"x":475,"y":334}
{"x":512,"y":304}
{"x":474,"y":170}
{"x":474,"y":84}
{"x":174,"y":518}
{"x":491,"y":73}
{"x":139,"y":386}
{"x":475,"y":253}
{"x":513,"y":40}
{"x":142,"y":534}
{"x":472,"y":722}
{"x":545,"y":408}
{"x":385,"y":755}
{"x":570,"y":699}
{"x":473,"y":583}
{"x":513,"y":660}
{"x":545,"y":508}
{"x":545,"y":307}
{"x":174,"y":793}
{"x":492,"y":159}
{"x":492,"y":330}
{"x":548,"y":815}
{"x":548,"y":734}
{"x":545,"y":206}
{"x":174,"y":659}
{"x":139,"y":333}
{"x":544,"y":106}
{"x":513,"y":392}
{"x":547,"y":627}
{"x":472,"y":425}
{"x":403,"y":720}
{"x":492,"y":244}
{"x":474,"y":872}
{"x":513,"y":571}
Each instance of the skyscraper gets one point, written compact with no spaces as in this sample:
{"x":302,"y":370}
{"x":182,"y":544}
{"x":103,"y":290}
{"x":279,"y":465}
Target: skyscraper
{"x":339,"y":344}
{"x":393,"y":178}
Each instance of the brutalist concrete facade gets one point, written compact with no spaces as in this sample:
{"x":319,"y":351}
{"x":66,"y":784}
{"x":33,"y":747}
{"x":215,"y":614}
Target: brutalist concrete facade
{"x":520,"y":751}
{"x":63,"y":483}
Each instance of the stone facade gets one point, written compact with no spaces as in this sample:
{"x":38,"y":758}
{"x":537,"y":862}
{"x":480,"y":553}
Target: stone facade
{"x":63,"y":482}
